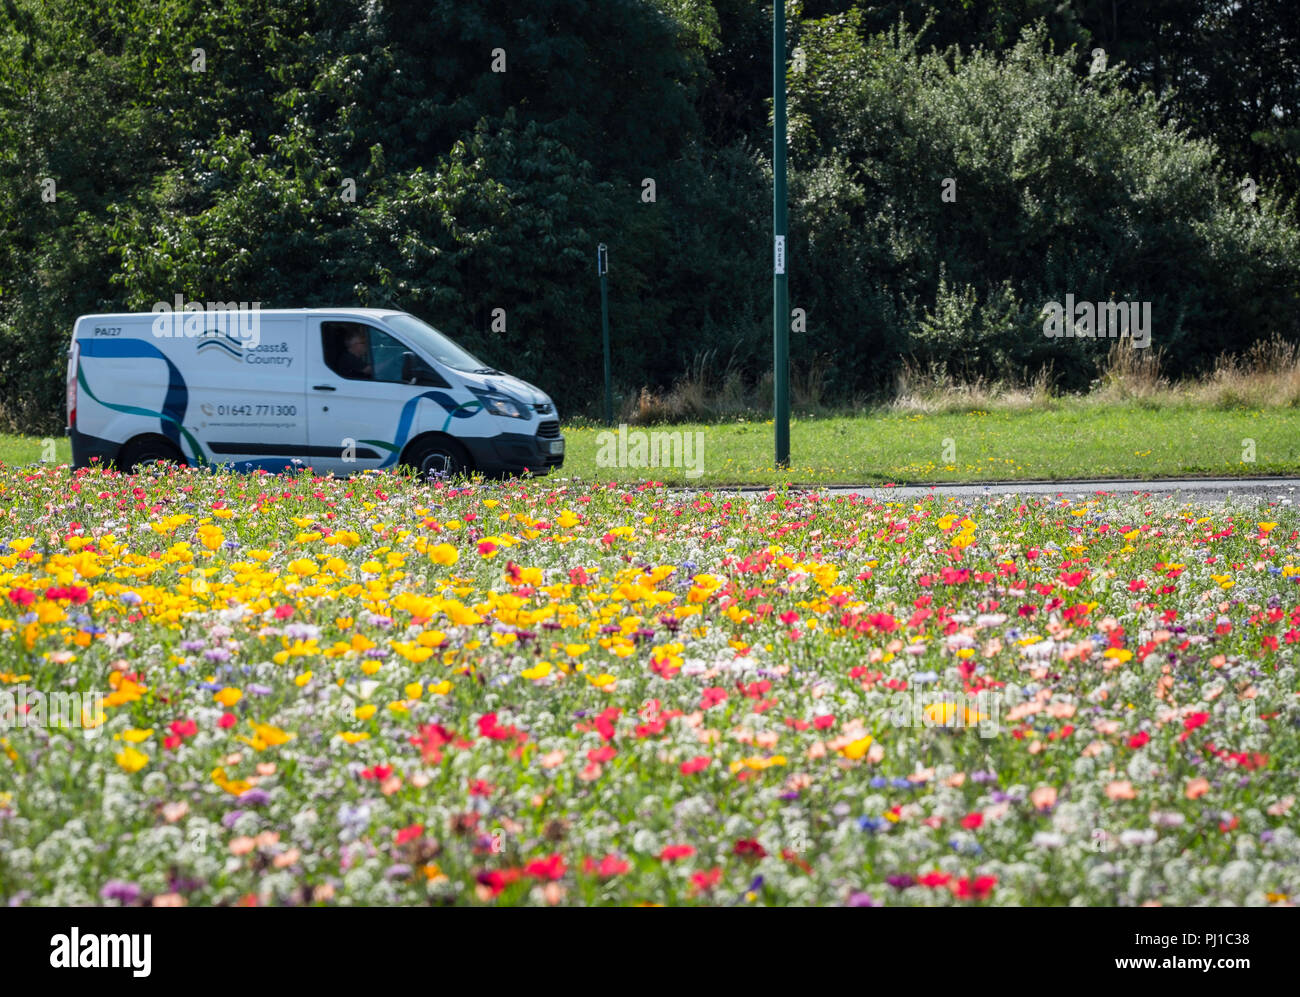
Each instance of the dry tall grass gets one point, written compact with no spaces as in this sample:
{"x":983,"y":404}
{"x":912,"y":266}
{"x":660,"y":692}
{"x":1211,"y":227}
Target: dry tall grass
{"x":1266,"y":375}
{"x":708,"y":392}
{"x":933,"y":390}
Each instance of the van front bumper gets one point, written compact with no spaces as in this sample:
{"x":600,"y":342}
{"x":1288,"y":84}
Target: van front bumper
{"x":514,"y":453}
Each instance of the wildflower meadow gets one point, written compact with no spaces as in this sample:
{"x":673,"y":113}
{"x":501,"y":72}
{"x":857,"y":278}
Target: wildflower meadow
{"x":255,"y":689}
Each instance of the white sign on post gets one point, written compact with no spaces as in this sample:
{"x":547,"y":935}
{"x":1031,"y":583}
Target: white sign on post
{"x":780,"y":254}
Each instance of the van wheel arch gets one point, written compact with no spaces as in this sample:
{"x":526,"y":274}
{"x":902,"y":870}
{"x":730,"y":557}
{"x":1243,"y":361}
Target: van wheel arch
{"x":147,"y":448}
{"x":437,"y":455}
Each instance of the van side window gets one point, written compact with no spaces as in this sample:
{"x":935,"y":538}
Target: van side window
{"x":361,"y":352}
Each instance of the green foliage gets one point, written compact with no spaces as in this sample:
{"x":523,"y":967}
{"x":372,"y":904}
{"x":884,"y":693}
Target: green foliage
{"x":1064,"y":185}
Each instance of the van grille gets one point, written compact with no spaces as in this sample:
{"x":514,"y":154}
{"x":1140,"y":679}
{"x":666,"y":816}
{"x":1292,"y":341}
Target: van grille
{"x":549,"y":430}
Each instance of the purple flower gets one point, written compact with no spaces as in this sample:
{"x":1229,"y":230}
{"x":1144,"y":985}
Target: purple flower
{"x":117,"y":889}
{"x":228,"y":820}
{"x":901,"y":882}
{"x":255,"y":798}
{"x":860,"y":899}
{"x":399,"y":871}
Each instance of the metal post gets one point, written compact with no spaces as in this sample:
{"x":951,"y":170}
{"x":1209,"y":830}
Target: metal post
{"x":602,"y":268}
{"x":780,"y":287}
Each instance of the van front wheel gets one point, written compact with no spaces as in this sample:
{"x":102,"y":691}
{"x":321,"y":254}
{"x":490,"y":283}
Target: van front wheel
{"x":438,"y":458}
{"x":146,"y":450}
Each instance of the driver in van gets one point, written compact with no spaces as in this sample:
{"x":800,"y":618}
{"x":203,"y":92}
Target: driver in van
{"x":354,"y":361}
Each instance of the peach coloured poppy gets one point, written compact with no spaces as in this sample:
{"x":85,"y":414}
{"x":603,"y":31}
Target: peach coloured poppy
{"x":1121,"y":789}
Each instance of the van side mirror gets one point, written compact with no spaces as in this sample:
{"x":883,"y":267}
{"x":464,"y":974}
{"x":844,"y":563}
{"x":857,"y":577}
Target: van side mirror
{"x":410,"y":367}
{"x":416,"y":371}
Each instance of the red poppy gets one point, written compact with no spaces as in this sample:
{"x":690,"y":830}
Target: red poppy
{"x":605,"y":722}
{"x":971,"y":821}
{"x":698,"y":764}
{"x":749,"y":848}
{"x":609,"y":866}
{"x":602,"y":754}
{"x":977,"y":888}
{"x":497,"y":880}
{"x":706,"y":880}
{"x":489,"y":728}
{"x":409,"y":833}
{"x":552,"y":867}
{"x":674,"y":852}
{"x":934,"y":879}
{"x":791,"y":856}
{"x":712,"y":697}
{"x":227,"y":721}
{"x":1137,"y":740}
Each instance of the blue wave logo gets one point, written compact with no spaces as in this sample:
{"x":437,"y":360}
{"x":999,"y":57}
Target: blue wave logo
{"x":223,"y":343}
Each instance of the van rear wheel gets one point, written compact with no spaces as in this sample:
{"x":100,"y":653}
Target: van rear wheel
{"x":145,"y":451}
{"x":438,"y":458}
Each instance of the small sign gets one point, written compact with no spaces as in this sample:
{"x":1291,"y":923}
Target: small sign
{"x":602,"y":260}
{"x":780,"y":254}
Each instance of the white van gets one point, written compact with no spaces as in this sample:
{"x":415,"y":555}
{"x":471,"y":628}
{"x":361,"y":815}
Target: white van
{"x":335,"y":389}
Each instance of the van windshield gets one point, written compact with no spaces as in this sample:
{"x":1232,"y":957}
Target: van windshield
{"x":434,"y":343}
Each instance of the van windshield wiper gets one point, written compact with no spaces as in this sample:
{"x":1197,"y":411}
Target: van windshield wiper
{"x":487,"y":370}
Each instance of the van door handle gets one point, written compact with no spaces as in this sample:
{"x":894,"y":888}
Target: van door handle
{"x":323,"y":387}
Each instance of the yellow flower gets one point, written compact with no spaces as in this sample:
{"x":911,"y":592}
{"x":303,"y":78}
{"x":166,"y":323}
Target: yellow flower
{"x":567,"y":519}
{"x":132,"y":760}
{"x":411,"y":652}
{"x":303,"y":567}
{"x":856,"y":749}
{"x":948,"y":714}
{"x":135,"y":736}
{"x":352,"y":737}
{"x":413,"y":690}
{"x":444,"y":554}
{"x":302,"y":680}
{"x":461,"y":615}
{"x":273,"y":736}
{"x":228,"y":697}
{"x":441,"y":688}
{"x":538,"y":671}
{"x":365,"y":712}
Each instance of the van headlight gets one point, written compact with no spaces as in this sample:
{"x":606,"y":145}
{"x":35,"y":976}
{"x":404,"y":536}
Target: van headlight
{"x":504,"y":406}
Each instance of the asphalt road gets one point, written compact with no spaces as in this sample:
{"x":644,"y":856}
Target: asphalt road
{"x":1247,"y":491}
